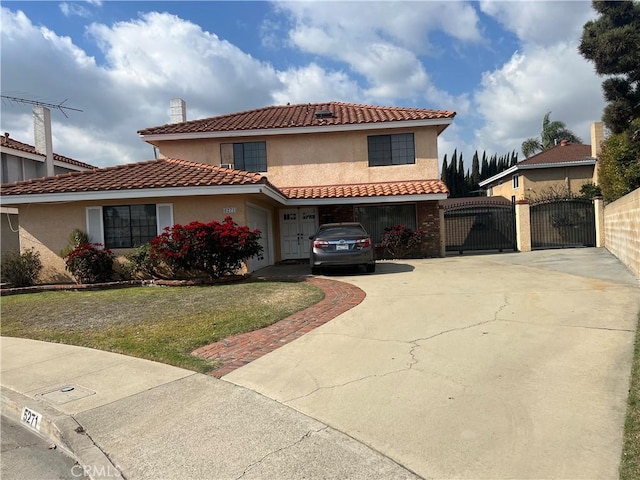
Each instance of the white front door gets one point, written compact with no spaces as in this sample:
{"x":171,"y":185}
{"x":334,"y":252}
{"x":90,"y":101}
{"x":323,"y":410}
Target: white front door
{"x":296,"y":226}
{"x":259,"y":218}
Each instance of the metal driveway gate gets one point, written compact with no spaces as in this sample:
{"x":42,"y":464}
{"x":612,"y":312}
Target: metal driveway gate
{"x":567,"y":222}
{"x":480,"y":226}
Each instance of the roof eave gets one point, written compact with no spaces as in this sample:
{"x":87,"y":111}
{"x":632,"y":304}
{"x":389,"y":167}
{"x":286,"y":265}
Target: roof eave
{"x":517,"y":167}
{"x":438,"y":122}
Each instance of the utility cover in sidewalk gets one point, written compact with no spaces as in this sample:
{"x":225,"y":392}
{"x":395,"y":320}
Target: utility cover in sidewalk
{"x":65,"y":394}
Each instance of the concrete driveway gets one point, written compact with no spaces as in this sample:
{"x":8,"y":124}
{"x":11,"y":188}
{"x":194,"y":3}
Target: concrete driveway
{"x":493,"y":366}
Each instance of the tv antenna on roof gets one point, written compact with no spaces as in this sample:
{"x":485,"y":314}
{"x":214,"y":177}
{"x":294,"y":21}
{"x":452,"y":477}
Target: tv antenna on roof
{"x":61,"y":107}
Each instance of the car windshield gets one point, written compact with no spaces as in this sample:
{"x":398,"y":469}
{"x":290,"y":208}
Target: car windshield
{"x":342,"y":231}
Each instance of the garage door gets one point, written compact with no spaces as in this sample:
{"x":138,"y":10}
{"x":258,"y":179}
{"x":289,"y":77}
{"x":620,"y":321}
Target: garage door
{"x":259,"y":218}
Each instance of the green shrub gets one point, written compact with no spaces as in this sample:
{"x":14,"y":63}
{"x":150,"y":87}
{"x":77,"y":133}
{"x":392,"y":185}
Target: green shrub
{"x":215,"y":249}
{"x":76,"y":238}
{"x":90,"y":264}
{"x":401,"y":241}
{"x":143,"y":264}
{"x":21,"y":269}
{"x":590,"y":190}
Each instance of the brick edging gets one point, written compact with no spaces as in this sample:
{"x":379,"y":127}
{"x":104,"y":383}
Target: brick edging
{"x":238,"y":350}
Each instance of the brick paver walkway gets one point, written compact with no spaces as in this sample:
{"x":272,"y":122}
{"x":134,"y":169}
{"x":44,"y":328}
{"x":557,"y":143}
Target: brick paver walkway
{"x":236,"y":351}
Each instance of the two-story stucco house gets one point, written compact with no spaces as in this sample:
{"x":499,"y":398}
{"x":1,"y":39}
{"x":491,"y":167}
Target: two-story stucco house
{"x":21,"y":161}
{"x":563,"y":168}
{"x":282,"y":169}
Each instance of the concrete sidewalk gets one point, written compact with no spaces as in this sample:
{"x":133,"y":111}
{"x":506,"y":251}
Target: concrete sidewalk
{"x":147,"y":420}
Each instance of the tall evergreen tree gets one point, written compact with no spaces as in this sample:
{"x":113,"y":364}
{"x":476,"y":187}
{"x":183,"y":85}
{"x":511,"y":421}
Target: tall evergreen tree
{"x":453,"y":174}
{"x":475,"y":172}
{"x":443,"y":171}
{"x":461,"y":183}
{"x":612,"y":43}
{"x":484,"y":172}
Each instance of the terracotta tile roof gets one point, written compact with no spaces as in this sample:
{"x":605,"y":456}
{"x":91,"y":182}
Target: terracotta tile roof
{"x":570,"y":152}
{"x":161,"y":173}
{"x":8,"y":142}
{"x":382,"y":189}
{"x":303,"y":115}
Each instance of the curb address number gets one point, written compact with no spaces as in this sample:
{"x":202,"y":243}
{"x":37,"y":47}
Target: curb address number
{"x":31,"y":418}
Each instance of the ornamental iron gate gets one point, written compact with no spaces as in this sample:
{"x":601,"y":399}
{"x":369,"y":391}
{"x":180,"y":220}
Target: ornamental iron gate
{"x":480,"y":226}
{"x":559,"y":223}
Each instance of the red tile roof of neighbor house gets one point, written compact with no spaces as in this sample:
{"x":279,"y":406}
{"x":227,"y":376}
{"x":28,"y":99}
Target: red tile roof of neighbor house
{"x":8,"y":142}
{"x":161,"y":173}
{"x":380,"y":189}
{"x":302,"y":115}
{"x":564,"y":152}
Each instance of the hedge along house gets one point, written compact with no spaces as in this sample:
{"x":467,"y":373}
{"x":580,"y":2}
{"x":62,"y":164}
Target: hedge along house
{"x":283,"y":170}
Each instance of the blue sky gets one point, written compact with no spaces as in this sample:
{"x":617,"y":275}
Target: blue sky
{"x":500,"y":65}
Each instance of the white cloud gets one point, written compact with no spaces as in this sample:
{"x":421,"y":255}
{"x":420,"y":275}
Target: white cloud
{"x":382,"y":41}
{"x":148,"y":61}
{"x":314,"y":84}
{"x":541,"y":22}
{"x":513,"y":99}
{"x":76,"y":8}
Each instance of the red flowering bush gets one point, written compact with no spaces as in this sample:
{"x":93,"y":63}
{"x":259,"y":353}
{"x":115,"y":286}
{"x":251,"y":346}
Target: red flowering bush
{"x":214,"y":248}
{"x":400,"y":241}
{"x":88,"y":263}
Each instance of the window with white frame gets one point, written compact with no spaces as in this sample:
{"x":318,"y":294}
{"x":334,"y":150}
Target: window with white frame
{"x":516,"y":181}
{"x":127,"y":226}
{"x":397,"y":149}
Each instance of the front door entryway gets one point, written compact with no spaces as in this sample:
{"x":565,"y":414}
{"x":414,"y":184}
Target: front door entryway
{"x":296,"y":226}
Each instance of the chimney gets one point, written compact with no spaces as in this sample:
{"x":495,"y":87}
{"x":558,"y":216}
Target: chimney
{"x":178,"y":110}
{"x":597,"y":136}
{"x":42,"y":134}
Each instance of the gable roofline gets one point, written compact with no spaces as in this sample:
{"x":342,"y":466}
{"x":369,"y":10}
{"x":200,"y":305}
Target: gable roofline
{"x":300,"y":130}
{"x":577,"y":163}
{"x":24,"y":150}
{"x":562,"y":155}
{"x":300,"y":118}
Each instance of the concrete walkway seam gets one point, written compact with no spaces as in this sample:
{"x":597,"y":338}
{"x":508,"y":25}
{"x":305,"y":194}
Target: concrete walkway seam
{"x":64,"y":432}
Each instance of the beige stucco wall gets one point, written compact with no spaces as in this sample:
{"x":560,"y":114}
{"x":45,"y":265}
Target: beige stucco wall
{"x":46,"y":227}
{"x":320,"y":159}
{"x":622,"y":230}
{"x":536,"y":182}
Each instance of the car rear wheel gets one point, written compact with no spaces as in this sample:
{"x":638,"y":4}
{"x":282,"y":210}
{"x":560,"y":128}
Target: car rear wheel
{"x":371,"y":267}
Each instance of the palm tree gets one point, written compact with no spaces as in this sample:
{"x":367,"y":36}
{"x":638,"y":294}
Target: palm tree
{"x":552,"y":133}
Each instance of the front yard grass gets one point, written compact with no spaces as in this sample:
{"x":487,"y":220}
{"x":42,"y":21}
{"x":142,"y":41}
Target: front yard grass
{"x":164,"y":324}
{"x":630,"y":464}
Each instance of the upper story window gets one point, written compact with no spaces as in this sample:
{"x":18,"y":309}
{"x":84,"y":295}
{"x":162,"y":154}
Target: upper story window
{"x":248,"y":156}
{"x":516,"y":181}
{"x":397,"y":149}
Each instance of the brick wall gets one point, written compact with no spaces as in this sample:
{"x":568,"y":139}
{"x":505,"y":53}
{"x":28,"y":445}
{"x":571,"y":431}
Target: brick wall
{"x":622,"y":230}
{"x":429,"y":220}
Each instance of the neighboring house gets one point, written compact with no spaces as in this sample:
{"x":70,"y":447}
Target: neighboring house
{"x":563,"y":168}
{"x":21,"y":161}
{"x":282,"y":169}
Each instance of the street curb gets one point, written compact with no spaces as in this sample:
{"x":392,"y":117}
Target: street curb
{"x":65,"y":432}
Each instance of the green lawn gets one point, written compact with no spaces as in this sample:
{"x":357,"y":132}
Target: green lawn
{"x":164,"y":324}
{"x":630,"y":465}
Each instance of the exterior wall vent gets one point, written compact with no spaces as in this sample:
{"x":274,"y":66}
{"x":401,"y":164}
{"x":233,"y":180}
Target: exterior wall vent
{"x":227,"y":165}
